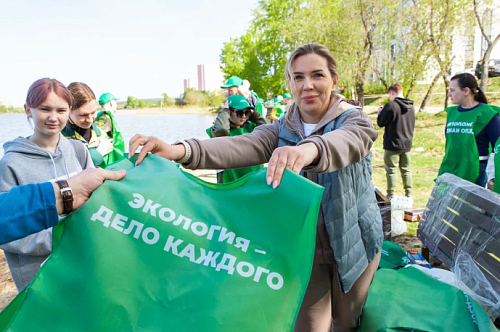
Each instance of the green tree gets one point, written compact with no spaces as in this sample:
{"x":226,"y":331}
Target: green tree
{"x":141,"y":104}
{"x":442,"y":22}
{"x":215,"y":99}
{"x":195,"y":98}
{"x":132,"y":102}
{"x":484,"y":21}
{"x":260,"y":55}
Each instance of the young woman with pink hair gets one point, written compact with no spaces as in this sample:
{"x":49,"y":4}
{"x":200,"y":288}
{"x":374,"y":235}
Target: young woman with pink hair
{"x":43,"y":156}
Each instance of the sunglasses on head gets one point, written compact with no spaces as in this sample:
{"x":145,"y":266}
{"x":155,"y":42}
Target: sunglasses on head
{"x":239,"y":113}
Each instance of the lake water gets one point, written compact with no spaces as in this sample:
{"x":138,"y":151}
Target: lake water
{"x":168,"y":128}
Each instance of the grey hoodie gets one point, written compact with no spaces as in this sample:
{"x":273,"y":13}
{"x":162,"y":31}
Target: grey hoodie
{"x":25,"y":162}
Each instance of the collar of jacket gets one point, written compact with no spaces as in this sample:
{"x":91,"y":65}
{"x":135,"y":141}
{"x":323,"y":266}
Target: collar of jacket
{"x":69,"y":132}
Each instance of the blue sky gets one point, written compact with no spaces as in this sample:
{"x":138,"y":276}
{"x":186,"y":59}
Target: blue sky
{"x":138,"y":48}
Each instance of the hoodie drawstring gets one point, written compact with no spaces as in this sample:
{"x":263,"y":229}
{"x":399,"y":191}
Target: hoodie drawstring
{"x":54,"y":164}
{"x":64,"y":160}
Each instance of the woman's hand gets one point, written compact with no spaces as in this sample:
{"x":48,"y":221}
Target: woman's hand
{"x":292,"y":157}
{"x":155,"y":146}
{"x":490,"y":184}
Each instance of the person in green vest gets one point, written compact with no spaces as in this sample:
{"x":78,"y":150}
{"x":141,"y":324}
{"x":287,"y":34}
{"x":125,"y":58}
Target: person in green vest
{"x":236,"y":86}
{"x":470,"y":129}
{"x":287,"y":98}
{"x":278,"y":109}
{"x":493,"y":169}
{"x":238,"y":119}
{"x":81,"y":125}
{"x":107,"y":124}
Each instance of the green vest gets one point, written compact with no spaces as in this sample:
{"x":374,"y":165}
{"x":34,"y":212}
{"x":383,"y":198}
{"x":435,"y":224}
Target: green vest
{"x":118,"y":142}
{"x":496,"y":186}
{"x":231,"y":175}
{"x":461,"y":155}
{"x":410,"y":300}
{"x":259,"y":106}
{"x":280,"y":109}
{"x":162,"y":250}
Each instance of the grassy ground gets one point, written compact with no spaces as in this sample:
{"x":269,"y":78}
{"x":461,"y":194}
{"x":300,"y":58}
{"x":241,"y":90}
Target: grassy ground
{"x":438,"y":95}
{"x":429,"y":134}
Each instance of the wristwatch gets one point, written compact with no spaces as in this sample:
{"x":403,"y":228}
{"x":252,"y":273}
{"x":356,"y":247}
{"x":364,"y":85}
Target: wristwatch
{"x":67,"y":196}
{"x":187,"y":156}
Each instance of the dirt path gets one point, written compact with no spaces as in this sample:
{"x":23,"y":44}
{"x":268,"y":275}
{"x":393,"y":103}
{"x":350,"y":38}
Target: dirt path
{"x":7,"y":288}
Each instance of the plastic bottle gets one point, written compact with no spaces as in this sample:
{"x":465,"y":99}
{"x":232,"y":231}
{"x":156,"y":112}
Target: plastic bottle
{"x":410,"y":202}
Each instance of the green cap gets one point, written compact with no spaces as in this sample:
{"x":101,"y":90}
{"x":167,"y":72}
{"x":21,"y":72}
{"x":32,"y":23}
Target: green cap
{"x":239,"y":102}
{"x":106,"y":98}
{"x":232,"y":81}
{"x":392,"y":256}
{"x":287,"y":96}
{"x":279,"y":98}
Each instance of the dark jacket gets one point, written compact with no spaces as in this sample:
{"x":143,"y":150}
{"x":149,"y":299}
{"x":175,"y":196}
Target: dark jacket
{"x":398,"y":118}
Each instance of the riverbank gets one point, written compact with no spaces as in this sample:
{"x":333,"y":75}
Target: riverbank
{"x":168,"y":111}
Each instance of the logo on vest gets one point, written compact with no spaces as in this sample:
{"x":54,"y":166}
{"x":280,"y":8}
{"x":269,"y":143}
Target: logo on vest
{"x":460,"y":128}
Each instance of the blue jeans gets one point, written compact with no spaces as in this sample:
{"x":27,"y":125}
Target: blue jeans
{"x":483,"y":178}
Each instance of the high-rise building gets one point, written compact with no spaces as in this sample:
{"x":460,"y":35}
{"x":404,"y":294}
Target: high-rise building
{"x":210,"y":77}
{"x":190,"y":83}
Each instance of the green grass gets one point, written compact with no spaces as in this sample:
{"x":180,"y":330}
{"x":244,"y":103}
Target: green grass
{"x":429,"y":134}
{"x":437,"y":98}
{"x":438,"y":95}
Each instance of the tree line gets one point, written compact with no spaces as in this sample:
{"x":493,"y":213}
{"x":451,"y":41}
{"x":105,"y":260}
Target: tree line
{"x":375,"y":42}
{"x":190,"y":97}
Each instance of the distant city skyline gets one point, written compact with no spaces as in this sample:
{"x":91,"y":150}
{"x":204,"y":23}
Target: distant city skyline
{"x":210,"y":77}
{"x":191,"y":83}
{"x":123,"y":47}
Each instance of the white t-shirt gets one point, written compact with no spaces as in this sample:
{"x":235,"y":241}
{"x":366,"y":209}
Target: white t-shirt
{"x":308,"y":128}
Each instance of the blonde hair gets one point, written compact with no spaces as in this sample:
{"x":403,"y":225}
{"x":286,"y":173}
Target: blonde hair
{"x":312,"y":48}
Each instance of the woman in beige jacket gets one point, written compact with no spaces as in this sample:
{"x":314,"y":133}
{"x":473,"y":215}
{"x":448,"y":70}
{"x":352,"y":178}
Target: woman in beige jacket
{"x":328,"y":141}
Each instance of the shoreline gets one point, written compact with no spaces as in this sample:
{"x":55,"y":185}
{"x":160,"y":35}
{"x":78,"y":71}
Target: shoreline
{"x":167,"y":111}
{"x":157,"y":111}
{"x":369,"y":109}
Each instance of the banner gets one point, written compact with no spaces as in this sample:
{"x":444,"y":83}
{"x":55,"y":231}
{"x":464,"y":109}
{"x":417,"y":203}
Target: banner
{"x":162,"y":250}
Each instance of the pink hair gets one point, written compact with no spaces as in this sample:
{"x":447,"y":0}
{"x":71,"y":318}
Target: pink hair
{"x":40,"y":90}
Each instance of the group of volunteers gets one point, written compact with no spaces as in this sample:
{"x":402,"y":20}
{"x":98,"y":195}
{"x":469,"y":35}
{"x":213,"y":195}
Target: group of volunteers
{"x":313,"y":131}
{"x":69,"y":136}
{"x":242,"y":112}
